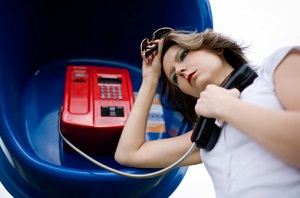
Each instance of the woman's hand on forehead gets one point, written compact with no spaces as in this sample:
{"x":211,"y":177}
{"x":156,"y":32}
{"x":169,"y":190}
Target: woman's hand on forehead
{"x":152,"y":64}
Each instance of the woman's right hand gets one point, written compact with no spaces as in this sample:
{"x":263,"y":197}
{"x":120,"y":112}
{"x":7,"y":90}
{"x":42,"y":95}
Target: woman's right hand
{"x":152,"y":65}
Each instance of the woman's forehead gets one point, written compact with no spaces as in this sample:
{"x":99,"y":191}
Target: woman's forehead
{"x":171,"y":53}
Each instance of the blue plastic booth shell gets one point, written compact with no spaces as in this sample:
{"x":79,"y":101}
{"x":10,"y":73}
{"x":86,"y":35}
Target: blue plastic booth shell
{"x":38,"y":39}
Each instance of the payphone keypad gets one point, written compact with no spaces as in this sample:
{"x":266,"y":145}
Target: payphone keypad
{"x":111,"y":92}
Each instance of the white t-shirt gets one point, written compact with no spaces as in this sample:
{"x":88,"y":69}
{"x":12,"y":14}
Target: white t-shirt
{"x":238,"y":166}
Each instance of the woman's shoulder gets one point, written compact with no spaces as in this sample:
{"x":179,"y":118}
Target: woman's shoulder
{"x":271,"y":62}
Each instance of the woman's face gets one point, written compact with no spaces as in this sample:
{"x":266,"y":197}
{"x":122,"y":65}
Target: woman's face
{"x":192,"y":71}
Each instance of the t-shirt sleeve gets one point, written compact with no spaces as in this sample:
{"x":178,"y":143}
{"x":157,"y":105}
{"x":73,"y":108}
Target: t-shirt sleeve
{"x":272,"y":61}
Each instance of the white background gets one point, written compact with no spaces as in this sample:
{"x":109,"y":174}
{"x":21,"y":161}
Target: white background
{"x":265,"y":25}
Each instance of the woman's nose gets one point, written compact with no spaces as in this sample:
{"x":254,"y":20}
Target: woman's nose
{"x":180,"y":70}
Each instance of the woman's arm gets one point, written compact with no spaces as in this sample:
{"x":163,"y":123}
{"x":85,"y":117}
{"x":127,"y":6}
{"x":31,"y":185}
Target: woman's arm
{"x":133,"y":150}
{"x":278,"y":131}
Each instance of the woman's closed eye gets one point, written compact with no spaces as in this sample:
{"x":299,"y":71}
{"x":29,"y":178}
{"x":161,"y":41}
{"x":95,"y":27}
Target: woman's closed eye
{"x":174,"y":78}
{"x":183,"y":54}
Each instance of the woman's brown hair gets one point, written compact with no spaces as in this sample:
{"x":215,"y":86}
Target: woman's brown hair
{"x":232,"y":52}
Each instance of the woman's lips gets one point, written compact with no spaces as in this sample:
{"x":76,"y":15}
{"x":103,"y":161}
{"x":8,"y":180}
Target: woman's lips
{"x":190,"y":76}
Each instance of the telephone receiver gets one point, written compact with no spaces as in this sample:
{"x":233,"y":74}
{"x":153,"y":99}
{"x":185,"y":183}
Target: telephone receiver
{"x":206,"y":132}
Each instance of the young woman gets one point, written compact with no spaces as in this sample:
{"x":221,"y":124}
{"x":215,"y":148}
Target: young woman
{"x":258,"y":151}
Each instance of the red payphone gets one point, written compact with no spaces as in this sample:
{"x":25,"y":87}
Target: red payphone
{"x":97,"y":101}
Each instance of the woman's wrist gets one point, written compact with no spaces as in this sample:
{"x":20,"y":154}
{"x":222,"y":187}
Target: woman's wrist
{"x":151,"y":80}
{"x":228,"y":109}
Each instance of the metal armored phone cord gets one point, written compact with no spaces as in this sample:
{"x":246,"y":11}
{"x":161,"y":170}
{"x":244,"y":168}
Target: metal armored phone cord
{"x":136,"y":176}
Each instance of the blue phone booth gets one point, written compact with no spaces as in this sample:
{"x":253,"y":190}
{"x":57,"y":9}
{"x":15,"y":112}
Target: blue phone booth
{"x":38,"y":40}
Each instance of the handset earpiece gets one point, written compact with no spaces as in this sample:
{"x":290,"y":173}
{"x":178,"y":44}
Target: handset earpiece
{"x":206,"y":133}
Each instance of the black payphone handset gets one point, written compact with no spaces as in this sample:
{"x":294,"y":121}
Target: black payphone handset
{"x":206,"y":132}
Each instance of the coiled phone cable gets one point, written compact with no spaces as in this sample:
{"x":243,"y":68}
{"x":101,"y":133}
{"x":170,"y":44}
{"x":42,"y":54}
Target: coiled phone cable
{"x":136,"y":176}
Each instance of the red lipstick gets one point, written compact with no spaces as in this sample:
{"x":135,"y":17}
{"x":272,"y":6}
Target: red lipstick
{"x":190,"y":76}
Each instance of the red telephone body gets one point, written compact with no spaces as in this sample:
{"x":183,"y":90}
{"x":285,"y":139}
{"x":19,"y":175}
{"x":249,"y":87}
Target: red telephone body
{"x":97,"y":102}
